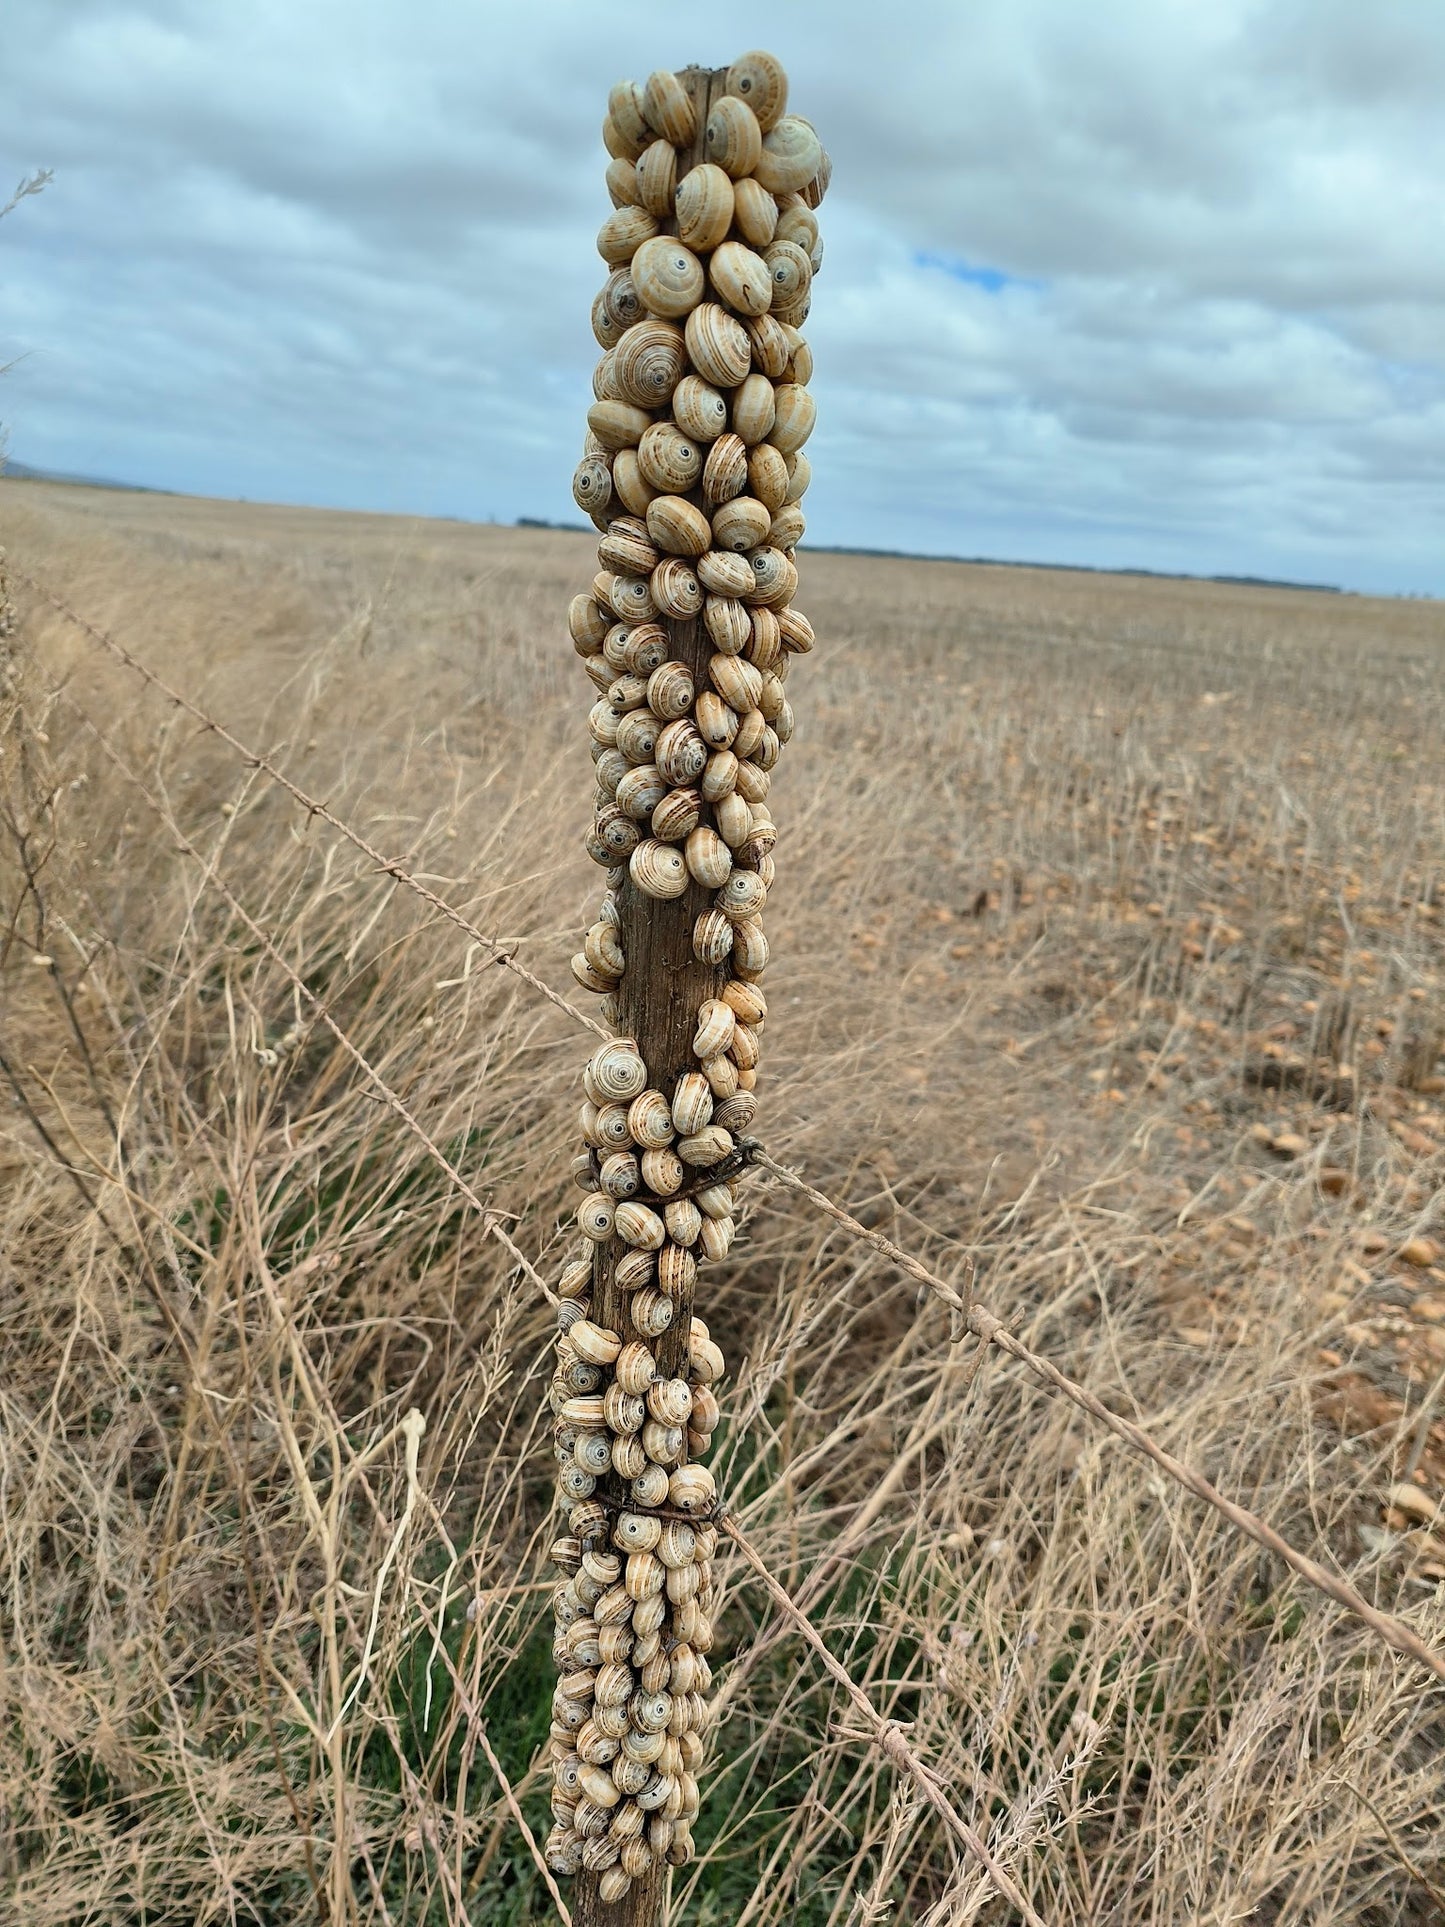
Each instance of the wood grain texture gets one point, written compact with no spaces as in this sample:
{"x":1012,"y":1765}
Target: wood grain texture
{"x":657,"y":1004}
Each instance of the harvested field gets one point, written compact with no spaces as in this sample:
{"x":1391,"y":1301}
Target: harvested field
{"x":1109,"y":969}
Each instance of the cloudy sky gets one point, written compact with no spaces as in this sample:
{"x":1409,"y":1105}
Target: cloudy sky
{"x":1154,"y":282}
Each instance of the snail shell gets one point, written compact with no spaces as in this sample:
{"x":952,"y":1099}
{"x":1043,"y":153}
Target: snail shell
{"x":676,"y":816}
{"x":624,"y":1412}
{"x":592,"y":485}
{"x":704,"y":207}
{"x":628,"y":1458}
{"x":574,"y":1483}
{"x":658,"y":870}
{"x":614,"y":1883}
{"x":722,"y":1076}
{"x":648,"y":362}
{"x":677,"y":526}
{"x":753,"y":785}
{"x":734,"y":820}
{"x":791,"y":156}
{"x":724,"y":475}
{"x":717,"y":724}
{"x":662,"y":1172}
{"x":697,"y":408}
{"x":631,"y":1777}
{"x":670,"y":690}
{"x":652,"y":1313}
{"x":655,"y":178}
{"x":577,"y":1277}
{"x":800,"y":362}
{"x":637,"y":1859}
{"x":594,"y":1747}
{"x":628,"y":484}
{"x":626,"y":549}
{"x":604,"y":952}
{"x":681,"y":754}
{"x":621,"y":181}
{"x":616,"y":1071}
{"x":743,"y":895}
{"x":620,"y":1173}
{"x":759,"y":79}
{"x":755,"y":213}
{"x":765,"y":639}
{"x":775,"y":579}
{"x":596,"y":1783}
{"x":594,"y":1217}
{"x":563,"y":1850}
{"x":718,"y":345}
{"x":626,"y":117}
{"x":645,"y":645}
{"x":815,"y":190}
{"x":712,"y":937}
{"x":668,"y":276}
{"x":597,"y":671}
{"x":691,"y":1109}
{"x":621,"y":300}
{"x":745,"y":1046}
{"x":714,"y":1201}
{"x":668,"y":108}
{"x":723,"y":573}
{"x":605,"y":327}
{"x":585,"y":1412}
{"x":796,"y":412}
{"x":750,"y":949}
{"x":584,"y":622}
{"x":663,"y":1444}
{"x":676,"y":589}
{"x":692,"y":1488}
{"x":710,"y":862}
{"x":618,"y":424}
{"x":727,"y":622}
{"x":772,"y":695}
{"x":733,"y":140}
{"x":751,"y":728}
{"x":622,"y":233}
{"x":741,"y":524}
{"x":740,"y":276}
{"x":792,"y":274}
{"x":635,"y":1368}
{"x":604,"y":381}
{"x":599,"y":982}
{"x":649,"y":1120}
{"x":800,"y":473}
{"x":798,"y":224}
{"x":788,"y":527}
{"x":753,"y":410}
{"x":709,"y":1146}
{"x":638,"y":1225}
{"x":716,"y":1022}
{"x":767,"y":474}
{"x":649,"y":1487}
{"x":670,"y":1401}
{"x":640,"y":791}
{"x":593,"y":1453}
{"x":627,"y":692}
{"x":668,"y":461}
{"x":645,"y":1575}
{"x":737,"y":682}
{"x":587,"y":1521}
{"x":676,"y":1266}
{"x":633,"y":1270}
{"x":770,"y":345}
{"x":783,"y":728}
{"x":796,"y":631}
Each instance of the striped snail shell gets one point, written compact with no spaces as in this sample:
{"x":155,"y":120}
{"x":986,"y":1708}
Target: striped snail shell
{"x":575,"y":1483}
{"x":798,"y":224}
{"x":604,"y":379}
{"x":577,"y":1276}
{"x":788,"y":527}
{"x":640,"y":791}
{"x":722,"y":1076}
{"x":815,"y":190}
{"x":676,"y":1266}
{"x":755,"y":213}
{"x":658,"y":870}
{"x":750,"y":946}
{"x":626,"y":548}
{"x":712,"y":937}
{"x":770,"y":345}
{"x":733,"y":820}
{"x":619,"y":1172}
{"x":767,"y":473}
{"x":737,"y":1114}
{"x":692,"y":1488}
{"x":616,"y":1071}
{"x":772,"y":696}
{"x":632,"y":599}
{"x":783,"y":727}
{"x":800,"y":359}
{"x":697,"y":408}
{"x":676,"y":816}
{"x":740,"y":276}
{"x":645,"y":1575}
{"x":635,"y":1368}
{"x":791,"y":156}
{"x":663,"y":1444}
{"x":603,"y":951}
{"x":662,"y":1172}
{"x":753,"y":410}
{"x":800,"y":473}
{"x":645,"y":647}
{"x":797,"y":631}
{"x":648,"y":362}
{"x":670,"y":690}
{"x":728,"y":623}
{"x":704,"y":207}
{"x":605,"y":326}
{"x":708,"y":1146}
{"x":723,"y":573}
{"x":691,"y":1106}
{"x":595,"y":1217}
{"x":733,"y":140}
{"x":739,"y":525}
{"x":655,"y":1676}
{"x":615,"y":831}
{"x":596,"y":668}
{"x":718,"y":345}
{"x":621,"y":300}
{"x":765,"y":639}
{"x":563,"y":1850}
{"x":775,"y":578}
{"x":649,"y":1487}
{"x":669,"y":277}
{"x":743,"y":895}
{"x":676,"y":589}
{"x":724,"y":474}
{"x":678,"y":526}
{"x":649,"y":1121}
{"x":668,"y":108}
{"x":621,"y":182}
{"x":629,"y":1460}
{"x":668,"y":461}
{"x":710,"y":862}
{"x":745,"y":1046}
{"x":592,"y":485}
{"x":593,"y":1453}
{"x":640,"y":1226}
{"x":670,"y":1401}
{"x":753,"y":785}
{"x":617,"y":424}
{"x":792,"y":274}
{"x":796,"y":412}
{"x":680,"y":754}
{"x":655,"y":178}
{"x":652,"y":1313}
{"x":615,"y":1643}
{"x":614,"y":1883}
{"x":628,"y":483}
{"x":758,"y":78}
{"x":645,"y":1747}
{"x":623,"y":232}
{"x":587,"y":1522}
{"x":717,"y":724}
{"x":623,"y":1411}
{"x":714,"y":1201}
{"x":737,"y":682}
{"x":633,"y":1270}
{"x":716,"y":1022}
{"x":586,"y":623}
{"x":626,"y":118}
{"x":626,"y":692}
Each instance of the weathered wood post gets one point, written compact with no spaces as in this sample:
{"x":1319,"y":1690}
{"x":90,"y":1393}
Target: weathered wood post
{"x":693,"y":472}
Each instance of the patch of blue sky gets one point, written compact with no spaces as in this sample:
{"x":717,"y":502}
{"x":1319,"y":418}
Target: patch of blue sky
{"x":977,"y":274}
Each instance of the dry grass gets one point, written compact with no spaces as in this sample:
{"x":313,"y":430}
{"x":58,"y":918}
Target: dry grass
{"x":1108,"y":941}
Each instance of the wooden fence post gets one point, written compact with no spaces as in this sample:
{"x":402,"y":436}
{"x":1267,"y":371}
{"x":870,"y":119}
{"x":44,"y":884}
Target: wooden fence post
{"x":693,"y":472}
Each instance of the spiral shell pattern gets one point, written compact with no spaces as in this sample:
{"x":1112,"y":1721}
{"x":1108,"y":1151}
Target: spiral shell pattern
{"x":692,"y":472}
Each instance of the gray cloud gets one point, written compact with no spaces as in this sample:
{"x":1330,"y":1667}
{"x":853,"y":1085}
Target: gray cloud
{"x":343,"y":253}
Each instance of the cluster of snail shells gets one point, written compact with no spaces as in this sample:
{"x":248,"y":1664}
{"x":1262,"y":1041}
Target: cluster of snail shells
{"x":633,"y":1612}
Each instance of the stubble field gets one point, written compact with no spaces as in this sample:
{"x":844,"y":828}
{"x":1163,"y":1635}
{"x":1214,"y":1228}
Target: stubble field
{"x":1107,"y":971}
